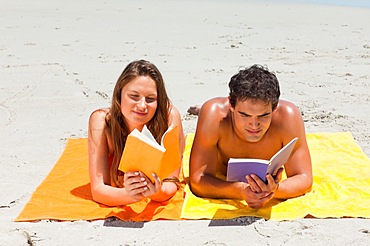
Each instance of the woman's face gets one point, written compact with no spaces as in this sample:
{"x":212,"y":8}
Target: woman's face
{"x":139,"y":102}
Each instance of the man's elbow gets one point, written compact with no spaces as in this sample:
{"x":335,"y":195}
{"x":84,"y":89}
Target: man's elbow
{"x":304,"y":186}
{"x":308,"y":185}
{"x":195,"y":186}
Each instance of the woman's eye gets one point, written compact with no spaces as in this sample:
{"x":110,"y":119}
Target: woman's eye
{"x":150,"y":100}
{"x":135,"y":97}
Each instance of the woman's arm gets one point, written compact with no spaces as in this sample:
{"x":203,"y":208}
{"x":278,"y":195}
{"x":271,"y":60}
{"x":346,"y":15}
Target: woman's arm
{"x":175,"y":119}
{"x":99,"y":166}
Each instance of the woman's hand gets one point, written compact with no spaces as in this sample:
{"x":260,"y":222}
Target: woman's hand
{"x":152,"y":188}
{"x":136,"y":184}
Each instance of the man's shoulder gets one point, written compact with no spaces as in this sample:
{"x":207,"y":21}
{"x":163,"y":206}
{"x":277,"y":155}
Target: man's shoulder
{"x":286,"y":108}
{"x":286,"y":102}
{"x":214,"y":114}
{"x":215,"y":106}
{"x":287,"y":117}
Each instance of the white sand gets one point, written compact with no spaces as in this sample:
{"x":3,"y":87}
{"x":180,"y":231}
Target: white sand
{"x":59,"y":60}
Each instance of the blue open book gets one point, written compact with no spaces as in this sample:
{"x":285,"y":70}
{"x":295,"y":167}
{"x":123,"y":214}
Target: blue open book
{"x":238,"y":168}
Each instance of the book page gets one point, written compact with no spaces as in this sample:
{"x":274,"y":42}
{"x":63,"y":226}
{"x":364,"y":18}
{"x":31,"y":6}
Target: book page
{"x":148,"y":134}
{"x":281,"y":157}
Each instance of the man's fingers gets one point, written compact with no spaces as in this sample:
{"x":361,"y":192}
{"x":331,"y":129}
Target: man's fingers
{"x":257,"y":184}
{"x":279,"y":174}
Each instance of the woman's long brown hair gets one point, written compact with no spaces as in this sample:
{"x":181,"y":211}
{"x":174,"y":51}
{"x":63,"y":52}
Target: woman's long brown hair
{"x":114,"y":119}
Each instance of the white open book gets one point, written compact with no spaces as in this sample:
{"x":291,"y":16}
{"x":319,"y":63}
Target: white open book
{"x":238,"y":168}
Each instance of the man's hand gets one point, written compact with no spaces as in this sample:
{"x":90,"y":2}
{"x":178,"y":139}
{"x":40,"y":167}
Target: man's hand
{"x":258,"y":193}
{"x":256,"y":199}
{"x":273,"y":182}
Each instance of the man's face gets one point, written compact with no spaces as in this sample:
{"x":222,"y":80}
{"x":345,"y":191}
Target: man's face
{"x":252,"y":118}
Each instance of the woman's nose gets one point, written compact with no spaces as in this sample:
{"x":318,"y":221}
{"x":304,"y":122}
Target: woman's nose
{"x":142,"y":103}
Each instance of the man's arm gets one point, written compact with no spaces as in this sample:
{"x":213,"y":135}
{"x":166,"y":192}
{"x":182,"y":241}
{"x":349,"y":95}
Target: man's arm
{"x":298,"y":168}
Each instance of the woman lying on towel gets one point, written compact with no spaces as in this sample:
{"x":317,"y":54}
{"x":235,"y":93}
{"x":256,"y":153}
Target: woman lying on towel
{"x":139,"y":98}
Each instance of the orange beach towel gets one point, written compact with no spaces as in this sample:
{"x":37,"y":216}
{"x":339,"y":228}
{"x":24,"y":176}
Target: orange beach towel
{"x":65,"y":195}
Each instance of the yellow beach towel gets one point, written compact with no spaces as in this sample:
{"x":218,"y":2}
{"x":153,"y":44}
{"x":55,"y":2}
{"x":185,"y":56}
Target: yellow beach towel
{"x":341,"y":186}
{"x":65,"y":195}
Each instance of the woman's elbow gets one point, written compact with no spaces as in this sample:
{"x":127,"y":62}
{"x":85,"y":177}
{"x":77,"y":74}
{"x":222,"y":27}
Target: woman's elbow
{"x":99,"y":197}
{"x":96,"y":196}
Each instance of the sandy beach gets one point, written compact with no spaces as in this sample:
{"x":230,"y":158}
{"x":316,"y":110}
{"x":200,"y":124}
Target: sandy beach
{"x":59,"y":60}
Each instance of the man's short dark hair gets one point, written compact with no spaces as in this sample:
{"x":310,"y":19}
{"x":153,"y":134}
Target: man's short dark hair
{"x":256,"y":83}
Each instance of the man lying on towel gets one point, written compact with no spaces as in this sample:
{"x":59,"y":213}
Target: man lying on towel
{"x":251,"y":123}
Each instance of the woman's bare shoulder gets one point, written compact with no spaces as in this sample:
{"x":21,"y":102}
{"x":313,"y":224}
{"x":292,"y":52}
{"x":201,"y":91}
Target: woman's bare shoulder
{"x":97,"y":117}
{"x":175,"y":116}
{"x":100,"y":112}
{"x":173,"y":110}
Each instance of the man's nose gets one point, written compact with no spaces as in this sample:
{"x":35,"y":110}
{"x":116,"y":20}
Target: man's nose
{"x":254,"y":121}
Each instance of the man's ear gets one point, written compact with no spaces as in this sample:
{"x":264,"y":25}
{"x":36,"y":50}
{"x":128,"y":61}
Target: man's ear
{"x":274,"y":109}
{"x":230,"y":106}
